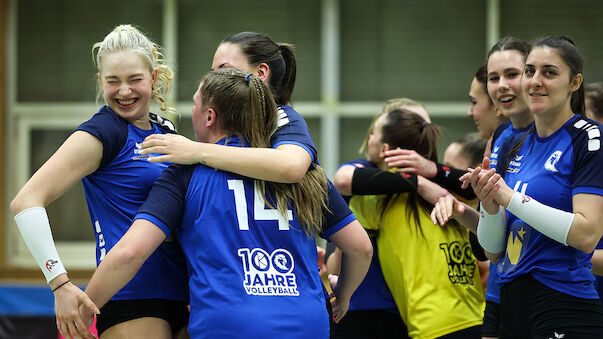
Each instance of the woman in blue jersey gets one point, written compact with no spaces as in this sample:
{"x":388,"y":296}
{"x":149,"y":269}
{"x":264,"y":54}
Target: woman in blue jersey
{"x":293,"y":154}
{"x":551,"y":189}
{"x":251,"y":255}
{"x":103,"y":153}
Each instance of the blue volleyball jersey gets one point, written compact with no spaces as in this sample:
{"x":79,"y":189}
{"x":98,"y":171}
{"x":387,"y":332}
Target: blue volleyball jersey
{"x":501,"y":134}
{"x":551,"y":170}
{"x":372,"y":293}
{"x":115,"y":191}
{"x":292,"y":129}
{"x":252,"y":272}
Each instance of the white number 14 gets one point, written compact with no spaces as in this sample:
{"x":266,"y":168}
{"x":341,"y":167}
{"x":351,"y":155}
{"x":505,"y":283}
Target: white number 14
{"x":260,"y":211}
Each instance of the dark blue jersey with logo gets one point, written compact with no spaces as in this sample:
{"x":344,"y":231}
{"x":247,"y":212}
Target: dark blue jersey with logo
{"x":501,"y":134}
{"x":252,"y":271}
{"x":115,"y":191}
{"x":552,"y":170}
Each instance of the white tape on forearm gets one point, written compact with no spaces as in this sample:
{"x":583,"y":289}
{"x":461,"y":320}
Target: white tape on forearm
{"x":550,"y":221}
{"x":35,"y":230}
{"x":491,"y":231}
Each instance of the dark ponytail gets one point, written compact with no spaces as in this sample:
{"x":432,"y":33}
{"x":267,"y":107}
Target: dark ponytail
{"x":259,"y":48}
{"x":285,"y":88}
{"x":406,"y":129}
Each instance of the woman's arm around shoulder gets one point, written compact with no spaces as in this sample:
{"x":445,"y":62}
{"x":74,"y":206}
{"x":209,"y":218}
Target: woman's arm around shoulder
{"x":287,"y":163}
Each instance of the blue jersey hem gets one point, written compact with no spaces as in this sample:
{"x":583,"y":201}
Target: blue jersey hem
{"x":335,"y":228}
{"x":154,"y":220}
{"x":587,"y":190}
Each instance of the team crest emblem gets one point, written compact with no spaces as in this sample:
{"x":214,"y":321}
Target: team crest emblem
{"x":550,"y":163}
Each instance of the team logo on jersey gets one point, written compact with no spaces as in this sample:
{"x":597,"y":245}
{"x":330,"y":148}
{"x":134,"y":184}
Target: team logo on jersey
{"x":460,"y":260}
{"x":446,"y":171}
{"x":515,"y":245}
{"x":268,"y":274}
{"x":50,"y":263}
{"x":557,"y":335}
{"x":137,"y":151}
{"x":494,"y":154}
{"x":515,"y":164}
{"x":550,"y":163}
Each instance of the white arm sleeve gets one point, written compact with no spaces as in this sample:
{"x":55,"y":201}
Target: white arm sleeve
{"x":550,"y":221}
{"x":491,"y":231}
{"x":35,"y":230}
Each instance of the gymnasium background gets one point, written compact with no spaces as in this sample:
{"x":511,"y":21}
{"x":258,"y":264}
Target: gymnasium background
{"x":352,"y":56}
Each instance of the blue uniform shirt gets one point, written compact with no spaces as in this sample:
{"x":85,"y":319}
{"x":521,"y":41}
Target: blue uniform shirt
{"x":551,"y":170}
{"x":252,"y":272}
{"x":115,"y":191}
{"x":501,"y":134}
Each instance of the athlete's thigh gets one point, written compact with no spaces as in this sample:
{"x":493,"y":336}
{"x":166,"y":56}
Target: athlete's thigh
{"x":140,"y":328}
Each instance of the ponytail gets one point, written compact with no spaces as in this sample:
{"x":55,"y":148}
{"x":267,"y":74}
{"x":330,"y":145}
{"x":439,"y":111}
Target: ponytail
{"x":285,"y":88}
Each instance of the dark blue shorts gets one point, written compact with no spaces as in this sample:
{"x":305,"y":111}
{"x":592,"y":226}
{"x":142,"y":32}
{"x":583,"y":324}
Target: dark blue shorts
{"x":118,"y":311}
{"x":529,"y":309}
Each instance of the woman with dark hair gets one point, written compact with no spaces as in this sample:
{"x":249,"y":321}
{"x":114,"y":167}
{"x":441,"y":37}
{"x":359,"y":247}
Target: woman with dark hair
{"x":549,"y":186}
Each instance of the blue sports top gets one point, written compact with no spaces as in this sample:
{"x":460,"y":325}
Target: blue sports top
{"x":115,"y":191}
{"x":372,"y":293}
{"x":552,"y":170}
{"x":252,"y":272}
{"x":292,"y":129}
{"x":501,"y":134}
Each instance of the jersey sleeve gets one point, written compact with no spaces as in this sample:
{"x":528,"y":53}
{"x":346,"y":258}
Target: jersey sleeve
{"x":339,"y":214}
{"x":588,"y":157}
{"x":293,"y":130}
{"x":165,"y":204}
{"x":110,"y":129}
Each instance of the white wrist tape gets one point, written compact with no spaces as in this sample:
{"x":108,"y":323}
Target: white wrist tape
{"x":491,"y":231}
{"x":550,"y":221}
{"x":35,"y":230}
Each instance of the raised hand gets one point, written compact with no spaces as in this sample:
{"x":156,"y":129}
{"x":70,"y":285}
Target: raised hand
{"x":447,"y":208}
{"x":175,"y":148}
{"x":409,"y":161}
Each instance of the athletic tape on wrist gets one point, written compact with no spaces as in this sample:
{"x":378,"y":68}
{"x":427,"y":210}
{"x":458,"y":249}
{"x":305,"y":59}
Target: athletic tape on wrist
{"x":35,"y":229}
{"x":550,"y":221}
{"x":491,"y":231}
